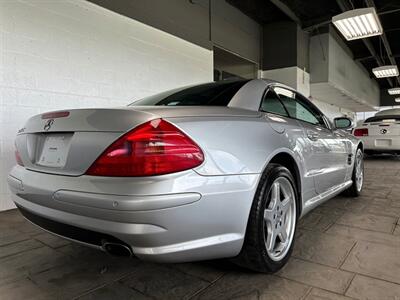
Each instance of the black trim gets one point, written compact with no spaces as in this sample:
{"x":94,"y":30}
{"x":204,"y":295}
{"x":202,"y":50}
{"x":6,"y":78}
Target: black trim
{"x":69,"y":231}
{"x":382,"y":151}
{"x":305,"y":99}
{"x":380,"y":118}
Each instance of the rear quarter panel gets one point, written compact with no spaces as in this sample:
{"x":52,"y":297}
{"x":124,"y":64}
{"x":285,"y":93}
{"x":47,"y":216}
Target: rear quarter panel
{"x":234,"y":146}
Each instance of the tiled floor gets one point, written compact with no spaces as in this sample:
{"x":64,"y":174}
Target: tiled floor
{"x":347,"y":248}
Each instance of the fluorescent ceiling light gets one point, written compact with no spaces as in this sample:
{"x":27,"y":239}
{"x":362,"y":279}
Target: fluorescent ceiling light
{"x":358,"y":23}
{"x":394,"y":91}
{"x":385,"y":71}
{"x":397,"y":99}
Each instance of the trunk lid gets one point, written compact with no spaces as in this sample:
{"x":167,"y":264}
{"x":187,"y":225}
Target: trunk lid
{"x":68,"y":142}
{"x":384,"y":128}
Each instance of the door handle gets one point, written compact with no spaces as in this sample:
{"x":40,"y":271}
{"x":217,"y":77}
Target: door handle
{"x":312,"y":135}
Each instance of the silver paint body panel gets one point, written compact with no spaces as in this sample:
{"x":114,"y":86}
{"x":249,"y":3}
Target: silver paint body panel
{"x":192,"y":215}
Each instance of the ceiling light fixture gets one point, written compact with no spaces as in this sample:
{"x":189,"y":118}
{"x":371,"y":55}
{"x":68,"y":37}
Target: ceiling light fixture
{"x":358,"y":23}
{"x":394,"y":91}
{"x":397,"y":99}
{"x":386,"y":71}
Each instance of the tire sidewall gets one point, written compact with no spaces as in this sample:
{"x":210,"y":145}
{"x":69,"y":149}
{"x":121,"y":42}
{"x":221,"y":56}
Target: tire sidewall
{"x":354,"y":172}
{"x":274,"y":173}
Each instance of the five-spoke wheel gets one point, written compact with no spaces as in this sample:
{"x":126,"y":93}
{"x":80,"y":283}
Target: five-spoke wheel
{"x":280,"y":218}
{"x":272,"y":222}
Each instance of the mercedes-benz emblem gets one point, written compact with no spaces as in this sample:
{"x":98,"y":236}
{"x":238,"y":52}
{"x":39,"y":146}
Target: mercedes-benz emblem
{"x":48,"y":124}
{"x":383,"y":131}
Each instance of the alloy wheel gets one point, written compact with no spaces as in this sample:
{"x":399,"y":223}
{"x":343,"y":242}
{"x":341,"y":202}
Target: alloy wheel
{"x":359,"y":165}
{"x":280,"y":219}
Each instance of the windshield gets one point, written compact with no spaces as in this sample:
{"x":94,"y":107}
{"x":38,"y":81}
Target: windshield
{"x":209,"y":94}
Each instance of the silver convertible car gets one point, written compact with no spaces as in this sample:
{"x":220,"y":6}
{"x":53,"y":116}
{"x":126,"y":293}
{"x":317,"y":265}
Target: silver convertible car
{"x":218,"y":170}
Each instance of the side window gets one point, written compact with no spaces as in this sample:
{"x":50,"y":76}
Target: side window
{"x":272,"y":104}
{"x":298,"y":108}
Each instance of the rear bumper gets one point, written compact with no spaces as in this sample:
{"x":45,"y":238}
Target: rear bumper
{"x":382,"y":143}
{"x":171,"y":218}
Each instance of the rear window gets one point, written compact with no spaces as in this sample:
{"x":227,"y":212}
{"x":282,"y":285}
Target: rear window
{"x":387,"y":118}
{"x":209,"y":94}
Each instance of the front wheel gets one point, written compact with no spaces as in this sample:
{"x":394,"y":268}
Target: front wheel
{"x":358,"y":175}
{"x":272,"y":222}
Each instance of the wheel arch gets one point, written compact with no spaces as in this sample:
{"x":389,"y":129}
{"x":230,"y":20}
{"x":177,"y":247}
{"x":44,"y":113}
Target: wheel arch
{"x":360,"y":146}
{"x":287,"y":160}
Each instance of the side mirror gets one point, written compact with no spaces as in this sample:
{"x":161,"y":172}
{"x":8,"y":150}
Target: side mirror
{"x":343,"y":123}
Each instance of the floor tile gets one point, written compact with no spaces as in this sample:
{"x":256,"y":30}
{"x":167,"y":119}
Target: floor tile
{"x":316,"y":275}
{"x":72,"y":280}
{"x":9,"y":236}
{"x":30,"y":262}
{"x":318,"y":294}
{"x":317,"y":222}
{"x":375,"y":260}
{"x":364,"y":235}
{"x":395,"y":202}
{"x":373,"y":289}
{"x":19,"y":247}
{"x":383,"y":210}
{"x":163,"y":282}
{"x":115,"y":291}
{"x":208,"y":271}
{"x":322,"y":248}
{"x":375,"y":192}
{"x":23,"y":289}
{"x":245,"y":285}
{"x":51,"y":240}
{"x":397,"y":230}
{"x":29,"y":228}
{"x":368,"y":221}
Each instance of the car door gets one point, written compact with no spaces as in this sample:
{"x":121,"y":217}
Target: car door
{"x":280,"y":121}
{"x":327,"y":163}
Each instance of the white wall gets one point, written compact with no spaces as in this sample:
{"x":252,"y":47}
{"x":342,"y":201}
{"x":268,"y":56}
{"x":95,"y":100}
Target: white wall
{"x":233,"y":30}
{"x":336,"y":78}
{"x":333,"y":111}
{"x":71,"y":54}
{"x":351,"y":77}
{"x":291,"y":76}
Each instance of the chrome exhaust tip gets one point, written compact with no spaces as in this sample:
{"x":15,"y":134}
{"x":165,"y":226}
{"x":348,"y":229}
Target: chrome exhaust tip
{"x":116,"y":249}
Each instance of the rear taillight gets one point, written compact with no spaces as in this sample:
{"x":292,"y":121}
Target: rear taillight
{"x":361,"y":132}
{"x":153,"y":148}
{"x":55,"y":115}
{"x":18,"y":158}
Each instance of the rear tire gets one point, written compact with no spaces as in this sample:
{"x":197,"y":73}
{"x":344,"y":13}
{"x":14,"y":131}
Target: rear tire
{"x":358,"y":175}
{"x":272,"y":222}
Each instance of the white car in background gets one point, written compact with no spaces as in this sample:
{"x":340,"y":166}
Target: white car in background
{"x":381,"y":133}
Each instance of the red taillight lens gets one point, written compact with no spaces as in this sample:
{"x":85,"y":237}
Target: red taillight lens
{"x":18,"y":158}
{"x":56,"y":114}
{"x":153,"y":148}
{"x":361,"y":132}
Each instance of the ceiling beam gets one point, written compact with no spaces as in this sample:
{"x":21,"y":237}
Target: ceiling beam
{"x":344,"y":6}
{"x":389,"y":11}
{"x":313,"y":24}
{"x":385,"y":41}
{"x":362,"y":58}
{"x":322,"y":21}
{"x":287,"y":11}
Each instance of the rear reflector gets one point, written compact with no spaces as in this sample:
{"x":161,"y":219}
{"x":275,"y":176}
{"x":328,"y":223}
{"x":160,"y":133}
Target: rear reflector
{"x":55,"y":115}
{"x":361,"y":132}
{"x":18,"y":158}
{"x":153,"y":148}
